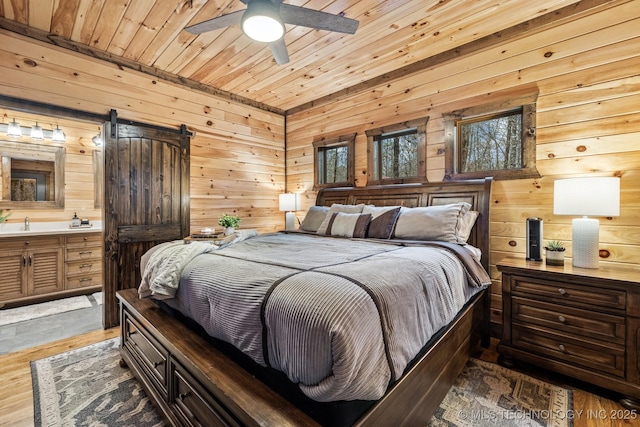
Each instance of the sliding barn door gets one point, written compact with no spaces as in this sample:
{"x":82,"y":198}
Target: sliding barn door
{"x":146,"y":200}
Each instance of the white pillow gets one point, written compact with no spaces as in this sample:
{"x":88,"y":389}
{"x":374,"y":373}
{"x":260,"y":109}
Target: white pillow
{"x":336,"y":207}
{"x":349,"y":224}
{"x":432,"y":223}
{"x":376,"y":211}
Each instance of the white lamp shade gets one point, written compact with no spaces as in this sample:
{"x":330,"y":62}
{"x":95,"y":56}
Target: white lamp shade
{"x":289,"y":202}
{"x":596,"y":196}
{"x":14,"y":129}
{"x":37,"y":132}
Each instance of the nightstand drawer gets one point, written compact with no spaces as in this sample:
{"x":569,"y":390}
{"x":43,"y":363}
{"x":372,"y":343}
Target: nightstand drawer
{"x":603,"y":358}
{"x":589,"y":324}
{"x":570,"y":294}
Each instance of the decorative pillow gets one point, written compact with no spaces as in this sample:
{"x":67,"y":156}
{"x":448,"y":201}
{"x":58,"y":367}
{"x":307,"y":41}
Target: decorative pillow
{"x":465,"y":225}
{"x":336,"y":207}
{"x":431,"y":222}
{"x":348,"y":224}
{"x":382,"y":225}
{"x":313,"y":219}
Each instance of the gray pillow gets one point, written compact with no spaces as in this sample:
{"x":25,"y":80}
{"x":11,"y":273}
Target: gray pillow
{"x":336,"y":207}
{"x":382,"y":225}
{"x":313,"y":219}
{"x":440,"y":223}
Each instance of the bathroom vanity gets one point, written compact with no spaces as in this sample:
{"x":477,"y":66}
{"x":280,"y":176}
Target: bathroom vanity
{"x":49,"y":262}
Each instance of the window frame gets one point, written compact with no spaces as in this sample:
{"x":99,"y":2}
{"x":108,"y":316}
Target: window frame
{"x":325,"y":143}
{"x":527,"y":105}
{"x":372,"y":137}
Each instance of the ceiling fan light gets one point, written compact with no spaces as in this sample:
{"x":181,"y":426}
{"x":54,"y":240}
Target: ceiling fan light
{"x":261,"y":21}
{"x":14,"y":129}
{"x":36,"y":132}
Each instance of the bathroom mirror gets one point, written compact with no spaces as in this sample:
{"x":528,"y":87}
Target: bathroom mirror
{"x":31,"y":175}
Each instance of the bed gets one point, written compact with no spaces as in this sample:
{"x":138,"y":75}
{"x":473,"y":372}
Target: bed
{"x":253,"y":372}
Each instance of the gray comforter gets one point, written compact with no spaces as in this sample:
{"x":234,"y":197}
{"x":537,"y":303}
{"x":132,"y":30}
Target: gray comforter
{"x":340,"y":317}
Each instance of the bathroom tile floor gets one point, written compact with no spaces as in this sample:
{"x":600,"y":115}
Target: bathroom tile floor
{"x":28,"y":333}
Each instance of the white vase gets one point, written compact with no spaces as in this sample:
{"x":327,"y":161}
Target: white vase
{"x":229,"y":230}
{"x":555,"y":258}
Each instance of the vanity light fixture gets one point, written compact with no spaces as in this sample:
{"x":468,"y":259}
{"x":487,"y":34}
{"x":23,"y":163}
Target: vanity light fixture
{"x":36,"y":132}
{"x":57,"y":135}
{"x":14,"y":130}
{"x":97,"y":140}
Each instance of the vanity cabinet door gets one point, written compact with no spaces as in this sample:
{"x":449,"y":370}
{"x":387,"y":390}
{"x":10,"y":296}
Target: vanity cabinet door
{"x":45,"y":270}
{"x":13,"y":284}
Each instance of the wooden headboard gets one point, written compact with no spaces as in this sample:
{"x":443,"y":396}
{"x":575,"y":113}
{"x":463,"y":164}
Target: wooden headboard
{"x":476,"y":192}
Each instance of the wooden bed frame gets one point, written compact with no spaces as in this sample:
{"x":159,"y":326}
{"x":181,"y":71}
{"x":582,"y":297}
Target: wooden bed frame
{"x":193,"y":383}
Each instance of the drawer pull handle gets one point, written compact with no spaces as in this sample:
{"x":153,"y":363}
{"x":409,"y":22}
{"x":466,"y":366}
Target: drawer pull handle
{"x":562,"y":348}
{"x":86,"y":279}
{"x":156,"y":364}
{"x":562,"y":319}
{"x":85,"y":252}
{"x":194,"y":420}
{"x":562,"y":291}
{"x":85,"y":265}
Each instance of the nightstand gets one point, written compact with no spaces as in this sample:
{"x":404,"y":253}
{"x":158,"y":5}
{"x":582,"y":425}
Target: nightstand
{"x":583,"y":323}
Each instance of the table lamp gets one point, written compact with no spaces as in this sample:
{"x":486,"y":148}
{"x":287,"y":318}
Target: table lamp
{"x":595,"y":196}
{"x":289,"y":202}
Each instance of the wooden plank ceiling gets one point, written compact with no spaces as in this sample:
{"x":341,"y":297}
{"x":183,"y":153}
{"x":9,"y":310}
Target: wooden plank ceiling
{"x":392,"y":34}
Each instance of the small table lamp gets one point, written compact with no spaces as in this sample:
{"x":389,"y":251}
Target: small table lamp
{"x":596,"y":196}
{"x":289,"y":202}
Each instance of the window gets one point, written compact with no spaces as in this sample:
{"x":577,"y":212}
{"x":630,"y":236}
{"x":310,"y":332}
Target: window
{"x":334,"y":164}
{"x":489,"y":141}
{"x":397,"y":153}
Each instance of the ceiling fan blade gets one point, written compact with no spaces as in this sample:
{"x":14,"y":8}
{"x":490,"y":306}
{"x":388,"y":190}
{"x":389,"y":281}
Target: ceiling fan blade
{"x":279,"y":51}
{"x":216,"y":23}
{"x":297,"y":15}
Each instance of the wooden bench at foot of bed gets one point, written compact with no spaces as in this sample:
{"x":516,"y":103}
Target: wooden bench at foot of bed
{"x":192,"y":383}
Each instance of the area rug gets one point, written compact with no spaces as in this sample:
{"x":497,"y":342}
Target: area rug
{"x":87,"y":387}
{"x":35,"y":311}
{"x":487,"y":394}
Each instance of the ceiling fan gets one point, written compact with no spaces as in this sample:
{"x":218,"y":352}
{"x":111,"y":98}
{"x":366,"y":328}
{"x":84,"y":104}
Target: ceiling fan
{"x":263,"y":21}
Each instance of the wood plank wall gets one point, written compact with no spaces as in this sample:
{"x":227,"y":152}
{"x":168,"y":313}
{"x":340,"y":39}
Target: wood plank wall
{"x":237,"y":152}
{"x":586,"y":70}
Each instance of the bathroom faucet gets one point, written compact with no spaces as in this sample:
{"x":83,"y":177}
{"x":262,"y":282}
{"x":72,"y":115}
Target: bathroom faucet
{"x":26,"y":223}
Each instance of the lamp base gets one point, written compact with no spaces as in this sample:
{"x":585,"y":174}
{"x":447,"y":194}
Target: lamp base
{"x":290,"y":221}
{"x":585,"y":236}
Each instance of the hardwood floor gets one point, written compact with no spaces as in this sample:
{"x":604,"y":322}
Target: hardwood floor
{"x":16,"y":396}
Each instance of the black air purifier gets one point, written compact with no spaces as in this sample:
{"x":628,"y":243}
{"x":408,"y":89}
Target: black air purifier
{"x":534,"y":239}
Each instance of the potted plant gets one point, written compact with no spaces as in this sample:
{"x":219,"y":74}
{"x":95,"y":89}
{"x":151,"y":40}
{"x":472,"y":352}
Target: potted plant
{"x":3,"y":217}
{"x":555,"y":252}
{"x":229,"y":222}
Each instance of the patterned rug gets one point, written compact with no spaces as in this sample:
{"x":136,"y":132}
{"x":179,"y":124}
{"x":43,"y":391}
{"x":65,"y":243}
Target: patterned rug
{"x":87,"y":387}
{"x":486,"y":394}
{"x":9,"y":316}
